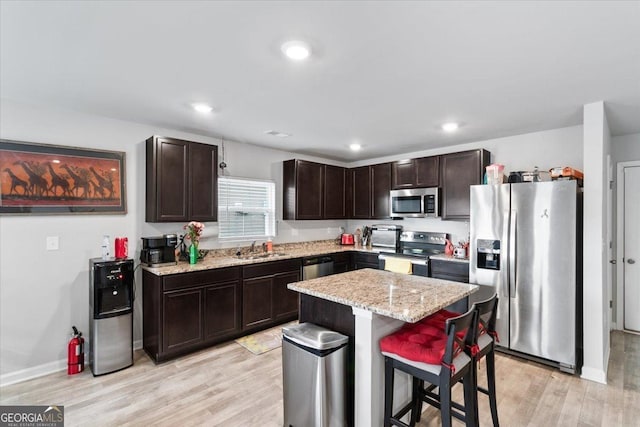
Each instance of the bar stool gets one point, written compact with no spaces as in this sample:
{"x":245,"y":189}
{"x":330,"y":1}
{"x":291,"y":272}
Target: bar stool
{"x":439,"y":356}
{"x":483,"y":346}
{"x":486,"y":338}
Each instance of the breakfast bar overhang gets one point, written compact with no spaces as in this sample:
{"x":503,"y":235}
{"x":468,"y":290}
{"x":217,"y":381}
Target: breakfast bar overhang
{"x":367,"y":305}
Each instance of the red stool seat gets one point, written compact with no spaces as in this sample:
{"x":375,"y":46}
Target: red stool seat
{"x":420,"y":342}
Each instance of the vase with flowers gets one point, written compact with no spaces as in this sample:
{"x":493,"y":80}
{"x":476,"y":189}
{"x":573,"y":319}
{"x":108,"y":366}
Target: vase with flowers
{"x":194,"y":231}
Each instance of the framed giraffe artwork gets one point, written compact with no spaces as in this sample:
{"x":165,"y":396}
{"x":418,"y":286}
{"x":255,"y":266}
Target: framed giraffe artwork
{"x":41,"y":179}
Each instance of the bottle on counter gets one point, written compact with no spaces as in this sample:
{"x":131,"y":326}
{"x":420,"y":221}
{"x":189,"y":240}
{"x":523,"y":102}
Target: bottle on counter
{"x":269,"y":245}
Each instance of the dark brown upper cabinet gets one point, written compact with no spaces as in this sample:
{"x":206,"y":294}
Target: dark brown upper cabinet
{"x":360,"y":192}
{"x":181,"y":180}
{"x":427,"y":171}
{"x":314,"y":191}
{"x":415,"y":173}
{"x":303,"y":190}
{"x":335,"y":192}
{"x":458,"y":171}
{"x":380,"y":188}
{"x":370,"y":186}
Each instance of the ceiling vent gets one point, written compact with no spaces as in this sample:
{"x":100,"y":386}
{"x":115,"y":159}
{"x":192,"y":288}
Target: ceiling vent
{"x":278,"y":134}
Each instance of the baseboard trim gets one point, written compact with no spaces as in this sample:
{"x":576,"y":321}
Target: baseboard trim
{"x":33,"y":372}
{"x":42,"y":370}
{"x":592,"y":374}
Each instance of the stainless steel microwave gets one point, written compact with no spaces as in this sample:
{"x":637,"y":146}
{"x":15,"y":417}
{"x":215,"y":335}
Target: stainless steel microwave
{"x":415,"y":203}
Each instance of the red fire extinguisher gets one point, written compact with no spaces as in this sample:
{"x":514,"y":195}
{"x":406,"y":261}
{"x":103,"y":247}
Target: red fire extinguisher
{"x":75,"y":353}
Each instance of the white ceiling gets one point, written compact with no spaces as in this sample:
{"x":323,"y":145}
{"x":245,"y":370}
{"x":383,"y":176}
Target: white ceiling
{"x":385,"y":74}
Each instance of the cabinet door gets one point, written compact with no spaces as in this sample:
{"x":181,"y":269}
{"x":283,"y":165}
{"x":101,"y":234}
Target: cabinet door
{"x":427,"y":171}
{"x":167,"y":180}
{"x":181,"y":319}
{"x":334,"y":192}
{"x":309,"y":189}
{"x":285,"y":301}
{"x":381,"y":185}
{"x":222,"y":310}
{"x":366,"y":260}
{"x":403,"y":174}
{"x":361,"y":193}
{"x":256,"y":301}
{"x":458,"y":172}
{"x":203,"y":182}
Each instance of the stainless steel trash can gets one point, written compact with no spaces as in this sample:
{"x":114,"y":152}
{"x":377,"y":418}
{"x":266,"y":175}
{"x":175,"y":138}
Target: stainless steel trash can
{"x":313,"y":376}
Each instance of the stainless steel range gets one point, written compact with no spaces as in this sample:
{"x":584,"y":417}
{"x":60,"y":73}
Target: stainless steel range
{"x":417,"y":246}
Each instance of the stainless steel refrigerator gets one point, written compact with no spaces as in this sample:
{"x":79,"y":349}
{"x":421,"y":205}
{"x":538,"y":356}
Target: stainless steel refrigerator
{"x":525,"y":239}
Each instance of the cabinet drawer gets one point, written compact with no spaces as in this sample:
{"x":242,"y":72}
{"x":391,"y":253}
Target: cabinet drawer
{"x":450,"y":270}
{"x":198,"y":278}
{"x":269,"y":268}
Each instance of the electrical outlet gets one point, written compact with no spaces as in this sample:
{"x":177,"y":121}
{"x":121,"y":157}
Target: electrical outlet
{"x":53,"y":243}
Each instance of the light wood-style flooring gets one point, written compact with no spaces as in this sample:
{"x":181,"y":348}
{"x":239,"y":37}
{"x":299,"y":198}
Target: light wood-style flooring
{"x":229,"y":386}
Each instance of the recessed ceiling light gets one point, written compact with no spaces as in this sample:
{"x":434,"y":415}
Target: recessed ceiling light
{"x":450,"y":127}
{"x":202,"y":108}
{"x":296,"y":50}
{"x":355,"y":147}
{"x":277,"y":133}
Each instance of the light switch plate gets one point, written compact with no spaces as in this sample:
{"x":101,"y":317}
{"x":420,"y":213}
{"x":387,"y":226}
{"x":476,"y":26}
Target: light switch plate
{"x":53,"y":243}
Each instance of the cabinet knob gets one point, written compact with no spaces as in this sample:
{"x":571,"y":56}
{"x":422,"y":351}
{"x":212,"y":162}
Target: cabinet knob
{"x":631,"y":261}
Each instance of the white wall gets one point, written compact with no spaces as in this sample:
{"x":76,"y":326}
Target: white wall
{"x":596,"y":320}
{"x":547,"y":149}
{"x":625,"y":148}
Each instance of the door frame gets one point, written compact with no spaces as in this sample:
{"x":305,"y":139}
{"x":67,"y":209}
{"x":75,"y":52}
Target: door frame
{"x":620,"y":241}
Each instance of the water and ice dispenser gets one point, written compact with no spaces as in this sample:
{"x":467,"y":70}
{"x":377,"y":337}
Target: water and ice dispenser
{"x":488,"y":254}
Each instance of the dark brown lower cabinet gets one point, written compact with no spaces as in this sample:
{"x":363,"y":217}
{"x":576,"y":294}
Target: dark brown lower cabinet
{"x":256,"y":301}
{"x":266,"y":299}
{"x":188,"y":311}
{"x":222,"y":317}
{"x":342,"y":262}
{"x":182,"y":311}
{"x":366,"y":260}
{"x":285,"y":301}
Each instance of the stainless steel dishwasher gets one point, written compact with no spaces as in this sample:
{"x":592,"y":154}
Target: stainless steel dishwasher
{"x":319,"y":266}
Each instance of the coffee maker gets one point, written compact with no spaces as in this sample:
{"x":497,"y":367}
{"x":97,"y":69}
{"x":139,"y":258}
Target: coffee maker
{"x":159,"y":251}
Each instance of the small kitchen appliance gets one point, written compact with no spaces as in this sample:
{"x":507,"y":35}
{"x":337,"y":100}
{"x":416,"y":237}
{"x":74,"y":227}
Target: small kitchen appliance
{"x":386,"y":237}
{"x":347,"y":239}
{"x":110,"y":315}
{"x":415,"y":203}
{"x":158,"y":251}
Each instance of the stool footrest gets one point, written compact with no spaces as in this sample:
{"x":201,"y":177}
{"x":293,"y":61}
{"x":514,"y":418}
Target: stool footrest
{"x":433,"y":399}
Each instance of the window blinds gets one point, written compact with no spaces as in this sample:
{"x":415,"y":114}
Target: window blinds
{"x":246,"y":208}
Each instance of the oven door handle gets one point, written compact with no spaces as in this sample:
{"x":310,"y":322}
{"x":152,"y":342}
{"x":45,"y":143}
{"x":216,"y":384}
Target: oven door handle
{"x":411,"y":260}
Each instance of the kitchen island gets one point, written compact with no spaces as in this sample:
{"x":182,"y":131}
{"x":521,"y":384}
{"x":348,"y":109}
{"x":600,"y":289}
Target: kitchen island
{"x":380,"y":302}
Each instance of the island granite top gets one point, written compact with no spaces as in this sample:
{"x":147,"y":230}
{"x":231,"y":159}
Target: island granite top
{"x":399,"y":296}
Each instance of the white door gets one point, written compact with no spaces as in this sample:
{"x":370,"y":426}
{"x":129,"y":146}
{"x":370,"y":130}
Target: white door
{"x":631,"y":254}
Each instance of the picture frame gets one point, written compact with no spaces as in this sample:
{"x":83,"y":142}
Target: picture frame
{"x":42,"y":179}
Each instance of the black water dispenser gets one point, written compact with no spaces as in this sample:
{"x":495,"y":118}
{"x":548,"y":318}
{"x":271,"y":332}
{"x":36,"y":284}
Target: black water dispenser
{"x":488,"y":254}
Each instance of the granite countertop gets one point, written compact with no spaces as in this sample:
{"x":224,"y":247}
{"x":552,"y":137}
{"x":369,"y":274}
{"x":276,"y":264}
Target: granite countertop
{"x":451,"y":258}
{"x":399,"y":296}
{"x":221,"y":258}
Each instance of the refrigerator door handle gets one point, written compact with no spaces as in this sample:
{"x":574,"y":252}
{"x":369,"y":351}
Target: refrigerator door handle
{"x":513,"y":253}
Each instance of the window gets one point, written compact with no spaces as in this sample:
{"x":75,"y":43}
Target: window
{"x":246,"y":208}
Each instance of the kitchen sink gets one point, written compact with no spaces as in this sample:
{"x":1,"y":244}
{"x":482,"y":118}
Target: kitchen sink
{"x":261,"y":256}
